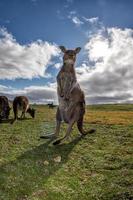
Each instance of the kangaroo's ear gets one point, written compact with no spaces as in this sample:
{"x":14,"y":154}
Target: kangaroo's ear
{"x":77,"y":50}
{"x":62,"y":48}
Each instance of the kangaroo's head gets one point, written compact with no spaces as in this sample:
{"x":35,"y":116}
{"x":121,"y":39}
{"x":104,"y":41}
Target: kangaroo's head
{"x":69,"y":57}
{"x":31,"y":111}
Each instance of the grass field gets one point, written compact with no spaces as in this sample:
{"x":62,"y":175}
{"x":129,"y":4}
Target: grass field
{"x":96,"y":167}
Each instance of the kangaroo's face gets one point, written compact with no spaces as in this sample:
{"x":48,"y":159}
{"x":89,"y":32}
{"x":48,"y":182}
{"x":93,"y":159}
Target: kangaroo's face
{"x":69,"y":57}
{"x":32,"y":112}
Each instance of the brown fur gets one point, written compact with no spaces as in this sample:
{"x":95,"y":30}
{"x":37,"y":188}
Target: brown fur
{"x":4,"y":107}
{"x":22,"y":102}
{"x":71,"y":98}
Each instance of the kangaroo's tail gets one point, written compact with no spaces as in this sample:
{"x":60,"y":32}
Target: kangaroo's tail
{"x":81,"y":129}
{"x":80,"y":122}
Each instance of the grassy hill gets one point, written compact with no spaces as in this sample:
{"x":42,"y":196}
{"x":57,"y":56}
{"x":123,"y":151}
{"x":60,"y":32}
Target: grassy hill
{"x":96,"y":167}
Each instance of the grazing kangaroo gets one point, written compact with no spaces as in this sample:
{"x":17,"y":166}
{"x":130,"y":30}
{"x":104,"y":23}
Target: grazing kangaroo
{"x":22,"y":103}
{"x":4,"y":107}
{"x":71,"y":98}
{"x":51,"y":105}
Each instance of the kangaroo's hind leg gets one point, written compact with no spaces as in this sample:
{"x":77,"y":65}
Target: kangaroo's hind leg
{"x":80,"y":126}
{"x":15,"y":110}
{"x":68,"y":132}
{"x":22,"y":115}
{"x":73,"y":116}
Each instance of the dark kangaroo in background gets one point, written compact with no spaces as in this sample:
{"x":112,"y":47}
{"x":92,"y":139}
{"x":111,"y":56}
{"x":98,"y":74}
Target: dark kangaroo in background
{"x":71,"y":98}
{"x":22,"y":102}
{"x":4,"y":108}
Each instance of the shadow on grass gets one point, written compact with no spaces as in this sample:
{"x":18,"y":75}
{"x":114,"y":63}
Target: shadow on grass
{"x":6,"y":121}
{"x":29,"y":172}
{"x":24,"y":119}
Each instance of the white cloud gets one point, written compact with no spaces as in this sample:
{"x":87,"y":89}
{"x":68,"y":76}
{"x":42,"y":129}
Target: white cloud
{"x":92,"y":20}
{"x":36,"y":94}
{"x":77,"y":21}
{"x":98,"y":47}
{"x":58,"y":65}
{"x":110,"y":79}
{"x":72,"y":12}
{"x":106,"y":75}
{"x":3,"y":88}
{"x":24,"y":61}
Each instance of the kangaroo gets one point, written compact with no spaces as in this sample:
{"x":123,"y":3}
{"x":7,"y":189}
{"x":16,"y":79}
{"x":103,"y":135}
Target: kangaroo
{"x":71,"y":98}
{"x":22,"y":102}
{"x":4,"y":107}
{"x":51,"y":105}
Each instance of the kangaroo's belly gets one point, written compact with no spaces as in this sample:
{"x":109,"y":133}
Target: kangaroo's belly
{"x":22,"y":107}
{"x":63,"y":107}
{"x":67,"y":106}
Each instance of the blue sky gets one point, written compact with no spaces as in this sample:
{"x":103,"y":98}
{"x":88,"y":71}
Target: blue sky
{"x":59,"y":22}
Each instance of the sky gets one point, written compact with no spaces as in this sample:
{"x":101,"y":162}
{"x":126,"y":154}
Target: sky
{"x":31,"y":32}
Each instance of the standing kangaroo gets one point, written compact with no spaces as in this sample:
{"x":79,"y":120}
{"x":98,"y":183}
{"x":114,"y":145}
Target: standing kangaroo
{"x":71,"y":98}
{"x":22,"y":102}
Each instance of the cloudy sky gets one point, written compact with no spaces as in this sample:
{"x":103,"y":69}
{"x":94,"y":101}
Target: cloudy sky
{"x":32,"y":30}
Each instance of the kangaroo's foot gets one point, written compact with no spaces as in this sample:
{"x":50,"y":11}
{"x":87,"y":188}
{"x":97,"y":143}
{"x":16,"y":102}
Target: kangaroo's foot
{"x":84,"y":133}
{"x":88,"y":131}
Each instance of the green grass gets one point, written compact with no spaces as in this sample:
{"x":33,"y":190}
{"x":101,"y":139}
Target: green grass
{"x":96,"y":167}
{"x":112,"y":107}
